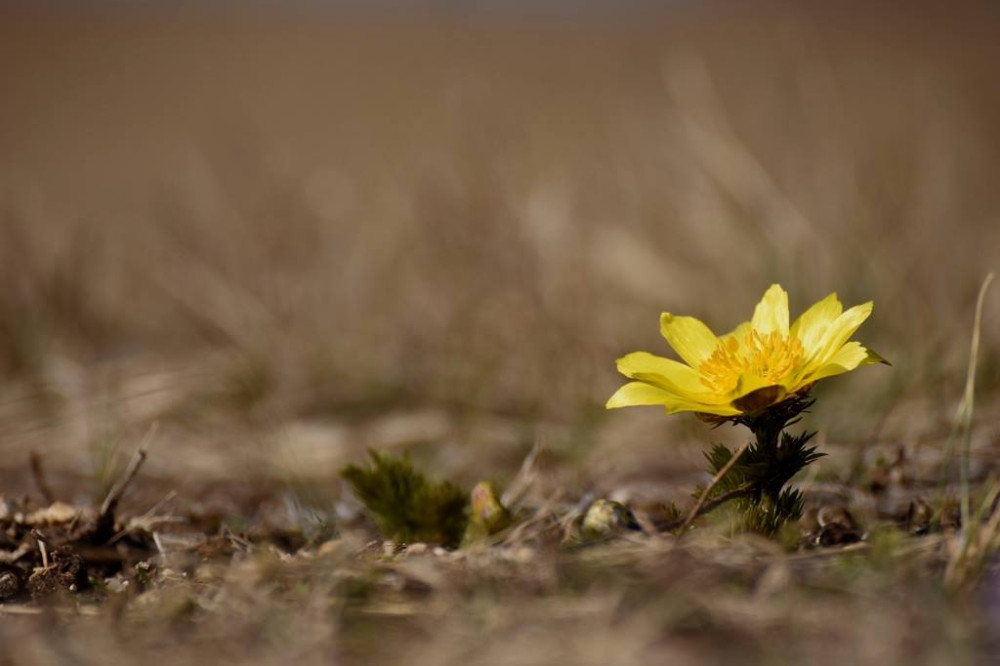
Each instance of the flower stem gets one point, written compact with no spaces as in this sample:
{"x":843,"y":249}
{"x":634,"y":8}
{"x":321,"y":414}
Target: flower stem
{"x":757,"y":473}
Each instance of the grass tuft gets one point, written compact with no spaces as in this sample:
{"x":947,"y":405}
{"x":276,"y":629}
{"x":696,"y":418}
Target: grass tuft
{"x":406,"y":505}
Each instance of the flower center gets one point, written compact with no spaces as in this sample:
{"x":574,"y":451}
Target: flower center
{"x":769,"y":356}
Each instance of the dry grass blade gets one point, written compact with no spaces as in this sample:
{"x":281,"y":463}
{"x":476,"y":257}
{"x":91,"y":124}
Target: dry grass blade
{"x":118,"y":490}
{"x":525,"y":478}
{"x":962,"y":425}
{"x":963,"y":416}
{"x":697,"y":509}
{"x":38,"y":475}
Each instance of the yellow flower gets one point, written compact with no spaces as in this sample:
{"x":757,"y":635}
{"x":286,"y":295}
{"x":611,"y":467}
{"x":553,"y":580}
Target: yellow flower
{"x":761,"y":362}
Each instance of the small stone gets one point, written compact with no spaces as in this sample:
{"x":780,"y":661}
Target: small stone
{"x":329,"y":547}
{"x":116,"y":584}
{"x":10,"y":584}
{"x":416,"y":549}
{"x":605,"y":518}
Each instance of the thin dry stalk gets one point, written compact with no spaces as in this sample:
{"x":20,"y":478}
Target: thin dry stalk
{"x":525,"y":478}
{"x":959,"y":566}
{"x":118,"y":490}
{"x":964,"y":415}
{"x":43,"y":551}
{"x":38,"y":474}
{"x":976,"y":542}
{"x":698,"y":510}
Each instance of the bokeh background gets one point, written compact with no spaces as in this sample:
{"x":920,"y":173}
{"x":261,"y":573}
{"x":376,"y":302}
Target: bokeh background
{"x":288,"y":233}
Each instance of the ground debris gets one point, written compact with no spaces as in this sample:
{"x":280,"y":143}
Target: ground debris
{"x":65,"y":572}
{"x":56,"y":548}
{"x":11,"y":581}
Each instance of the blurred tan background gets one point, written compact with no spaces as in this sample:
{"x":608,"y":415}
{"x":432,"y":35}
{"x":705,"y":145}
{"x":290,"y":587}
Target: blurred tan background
{"x":286,"y":236}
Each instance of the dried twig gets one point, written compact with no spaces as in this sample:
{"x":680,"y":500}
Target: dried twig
{"x":118,"y":490}
{"x":700,"y":506}
{"x":525,"y":478}
{"x":36,"y":535}
{"x":38,"y":474}
{"x":148,"y":520}
{"x":9,"y":557}
{"x":20,"y":610}
{"x":169,"y":497}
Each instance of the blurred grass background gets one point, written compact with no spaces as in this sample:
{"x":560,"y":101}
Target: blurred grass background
{"x":286,"y":234}
{"x":290,"y":235}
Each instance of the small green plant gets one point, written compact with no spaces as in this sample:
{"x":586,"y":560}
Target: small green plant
{"x":756,"y":480}
{"x":407,"y":506}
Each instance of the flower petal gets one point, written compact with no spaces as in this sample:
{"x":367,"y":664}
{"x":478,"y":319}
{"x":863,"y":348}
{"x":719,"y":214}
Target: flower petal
{"x":640,"y":393}
{"x":751,"y":384}
{"x":691,"y":339}
{"x":840,"y":331}
{"x":851,"y":356}
{"x":771,"y":314}
{"x":636,"y":394}
{"x":667,"y":374}
{"x":764,"y":397}
{"x":739,"y":334}
{"x":810,"y":328}
{"x":717,"y":410}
